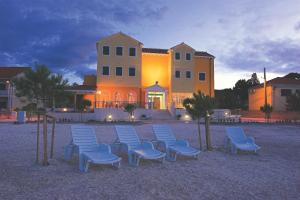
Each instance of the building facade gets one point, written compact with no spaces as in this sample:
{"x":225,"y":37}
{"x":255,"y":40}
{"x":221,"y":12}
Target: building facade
{"x":277,"y":91}
{"x":8,"y":100}
{"x":153,"y":78}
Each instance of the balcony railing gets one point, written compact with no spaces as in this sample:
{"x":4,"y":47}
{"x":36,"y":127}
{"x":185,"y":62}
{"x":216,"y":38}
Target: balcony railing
{"x":118,"y":104}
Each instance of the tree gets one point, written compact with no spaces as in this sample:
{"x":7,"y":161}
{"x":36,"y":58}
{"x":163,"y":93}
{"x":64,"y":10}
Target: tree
{"x":226,"y":98}
{"x":200,"y":106}
{"x":58,"y":84}
{"x":40,"y":86}
{"x":83,"y":104}
{"x":253,"y":81}
{"x":293,"y":75}
{"x":129,"y":108}
{"x":267,"y":109}
{"x":30,"y":109}
{"x":241,"y":91}
{"x":293,"y":101}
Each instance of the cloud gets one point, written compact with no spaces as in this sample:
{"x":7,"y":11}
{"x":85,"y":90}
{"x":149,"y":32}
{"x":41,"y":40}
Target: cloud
{"x":62,"y":34}
{"x":297,"y":26}
{"x":280,"y":56}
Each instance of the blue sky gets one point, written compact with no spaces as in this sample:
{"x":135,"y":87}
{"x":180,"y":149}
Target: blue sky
{"x":244,"y":35}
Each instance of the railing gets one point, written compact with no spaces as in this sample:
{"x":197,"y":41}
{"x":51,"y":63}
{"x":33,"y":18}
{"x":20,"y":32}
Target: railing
{"x":118,"y":104}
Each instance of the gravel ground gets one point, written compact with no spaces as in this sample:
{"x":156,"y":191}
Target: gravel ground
{"x":272,"y":174}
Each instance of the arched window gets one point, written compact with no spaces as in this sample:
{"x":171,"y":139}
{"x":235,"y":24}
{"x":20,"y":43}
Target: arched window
{"x":117,"y":99}
{"x":132,"y":97}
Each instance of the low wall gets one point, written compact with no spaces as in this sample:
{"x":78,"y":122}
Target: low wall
{"x":118,"y":114}
{"x":73,"y":116}
{"x":100,"y":114}
{"x":277,"y":115}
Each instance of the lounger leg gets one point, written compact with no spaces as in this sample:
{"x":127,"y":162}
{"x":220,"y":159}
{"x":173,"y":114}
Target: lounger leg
{"x":233,"y":149}
{"x":196,"y":157}
{"x":175,"y":156}
{"x":169,"y":155}
{"x":68,"y":153}
{"x":83,"y":164}
{"x":130,"y":158}
{"x":117,"y":164}
{"x":137,"y":160}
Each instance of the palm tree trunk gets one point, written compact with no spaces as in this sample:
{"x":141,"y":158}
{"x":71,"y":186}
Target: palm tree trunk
{"x":199,"y":133}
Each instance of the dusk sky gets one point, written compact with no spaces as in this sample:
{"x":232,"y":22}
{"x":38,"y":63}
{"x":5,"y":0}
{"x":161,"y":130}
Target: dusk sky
{"x":244,"y":35}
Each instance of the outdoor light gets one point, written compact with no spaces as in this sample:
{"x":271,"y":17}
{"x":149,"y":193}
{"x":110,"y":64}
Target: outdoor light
{"x":65,"y":109}
{"x":99,"y":92}
{"x":109,"y":117}
{"x":186,"y":116}
{"x":132,"y":116}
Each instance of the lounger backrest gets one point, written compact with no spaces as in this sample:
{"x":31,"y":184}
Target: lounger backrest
{"x":127,"y":134}
{"x":164,"y":133}
{"x":236,"y":134}
{"x":84,"y":137}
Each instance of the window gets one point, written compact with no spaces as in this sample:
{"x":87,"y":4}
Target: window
{"x":119,"y":51}
{"x":188,"y":56}
{"x":188,"y":74}
{"x":2,"y":86}
{"x":177,"y":74}
{"x":202,"y":76}
{"x":105,"y":70}
{"x":286,"y":92}
{"x":177,"y":56}
{"x":131,"y":71}
{"x":131,"y":51}
{"x":105,"y":50}
{"x":118,"y":71}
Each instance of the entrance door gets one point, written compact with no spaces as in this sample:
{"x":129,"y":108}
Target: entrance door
{"x":156,"y":102}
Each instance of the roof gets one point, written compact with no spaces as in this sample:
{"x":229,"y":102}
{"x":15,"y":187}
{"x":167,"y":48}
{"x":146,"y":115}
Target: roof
{"x":166,"y":51}
{"x":204,"y":54}
{"x":154,"y":50}
{"x":155,"y":88}
{"x":10,"y":72}
{"x":184,"y":44}
{"x":123,"y":34}
{"x":280,"y":80}
{"x":81,"y":87}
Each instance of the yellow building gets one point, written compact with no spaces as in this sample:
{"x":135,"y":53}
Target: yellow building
{"x":153,"y":78}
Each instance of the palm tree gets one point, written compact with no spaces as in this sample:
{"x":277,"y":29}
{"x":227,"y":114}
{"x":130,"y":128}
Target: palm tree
{"x":129,"y":108}
{"x":267,"y":109}
{"x":40,"y":86}
{"x":200,"y":106}
{"x":57,"y":87}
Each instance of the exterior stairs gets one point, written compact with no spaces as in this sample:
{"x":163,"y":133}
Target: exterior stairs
{"x":161,"y":114}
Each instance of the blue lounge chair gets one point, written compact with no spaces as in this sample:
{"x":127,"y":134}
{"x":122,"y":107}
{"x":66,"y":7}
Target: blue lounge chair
{"x":84,"y":143}
{"x":237,"y":140}
{"x":136,"y":149}
{"x":173,"y":147}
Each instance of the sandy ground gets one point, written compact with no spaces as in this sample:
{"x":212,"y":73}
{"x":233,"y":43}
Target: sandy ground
{"x":272,"y":174}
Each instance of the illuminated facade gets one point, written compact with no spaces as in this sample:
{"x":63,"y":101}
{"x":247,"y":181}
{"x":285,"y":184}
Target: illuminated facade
{"x":152,"y":78}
